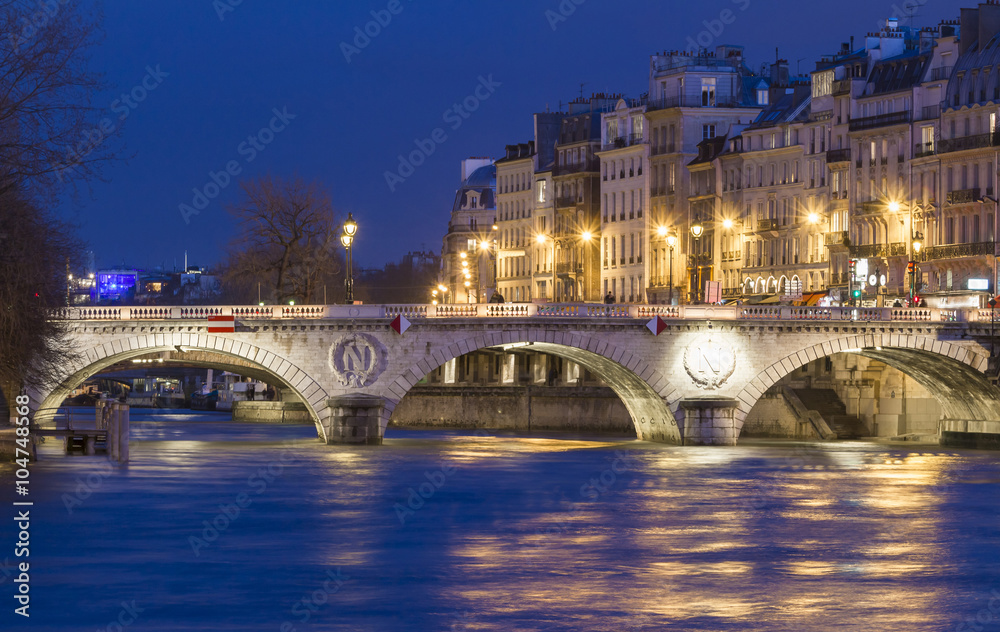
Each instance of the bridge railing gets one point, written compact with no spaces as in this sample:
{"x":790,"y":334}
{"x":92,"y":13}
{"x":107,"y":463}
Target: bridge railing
{"x":529,"y":310}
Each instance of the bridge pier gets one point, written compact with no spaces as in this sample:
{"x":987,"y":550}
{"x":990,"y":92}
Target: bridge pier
{"x":956,"y":433}
{"x":355,"y":419}
{"x":710,"y":420}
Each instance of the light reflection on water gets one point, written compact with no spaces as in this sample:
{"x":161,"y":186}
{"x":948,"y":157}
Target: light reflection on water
{"x":537,"y":533}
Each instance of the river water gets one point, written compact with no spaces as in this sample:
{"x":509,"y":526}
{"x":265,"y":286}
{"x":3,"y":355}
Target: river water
{"x":222,"y":526}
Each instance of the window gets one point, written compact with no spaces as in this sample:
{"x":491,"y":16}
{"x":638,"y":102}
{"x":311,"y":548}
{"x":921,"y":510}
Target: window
{"x":762,"y":98}
{"x":637,"y":125}
{"x":708,"y":93}
{"x":707,"y":131}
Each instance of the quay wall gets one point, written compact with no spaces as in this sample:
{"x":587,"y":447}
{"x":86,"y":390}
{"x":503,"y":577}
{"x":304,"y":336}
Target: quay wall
{"x":515,"y":408}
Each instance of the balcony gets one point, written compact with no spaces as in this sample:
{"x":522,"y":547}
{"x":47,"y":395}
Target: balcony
{"x":963,"y":196}
{"x":835,"y":238}
{"x":623,"y":141}
{"x":569,"y":268}
{"x":878,"y":250}
{"x":930,"y":112}
{"x":937,"y":74}
{"x":580,"y":167}
{"x":765,"y":225}
{"x":977,"y":141}
{"x":838,"y":155}
{"x":881,"y":120}
{"x":872,"y":208}
{"x":841,"y":87}
{"x":692,"y":101}
{"x":956,"y":251}
{"x":868,"y":250}
{"x":921,"y":150}
{"x":567,"y":201}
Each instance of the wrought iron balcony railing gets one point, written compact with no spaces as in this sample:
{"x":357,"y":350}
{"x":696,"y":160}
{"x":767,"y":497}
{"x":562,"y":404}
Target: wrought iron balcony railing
{"x":962,"y":143}
{"x":879,"y":120}
{"x":963,"y":196}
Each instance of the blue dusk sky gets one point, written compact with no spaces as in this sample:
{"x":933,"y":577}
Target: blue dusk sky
{"x":289,"y":89}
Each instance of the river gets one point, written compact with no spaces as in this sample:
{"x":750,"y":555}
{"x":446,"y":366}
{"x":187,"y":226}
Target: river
{"x":221,"y":526}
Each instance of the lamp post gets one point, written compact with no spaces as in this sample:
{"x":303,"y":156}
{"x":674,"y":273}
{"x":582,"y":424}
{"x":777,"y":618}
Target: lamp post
{"x":671,"y":242}
{"x":915,"y":244}
{"x":586,"y":237}
{"x":490,"y":249}
{"x":347,"y":238}
{"x":466,"y":275}
{"x":541,"y":239}
{"x":993,"y":241}
{"x":697,"y":230}
{"x":993,"y":304}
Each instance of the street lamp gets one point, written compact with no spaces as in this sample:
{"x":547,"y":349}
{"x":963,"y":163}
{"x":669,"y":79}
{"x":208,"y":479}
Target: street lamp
{"x":541,"y":239}
{"x":586,"y":237}
{"x":347,"y":238}
{"x":671,"y":242}
{"x":993,"y":230}
{"x":697,"y":230}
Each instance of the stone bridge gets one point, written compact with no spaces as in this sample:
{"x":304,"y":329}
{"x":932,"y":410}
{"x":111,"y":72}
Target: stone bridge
{"x":686,"y":374}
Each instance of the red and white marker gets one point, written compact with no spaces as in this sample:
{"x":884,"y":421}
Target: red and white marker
{"x":400,"y":324}
{"x":657,"y":325}
{"x":226,"y":324}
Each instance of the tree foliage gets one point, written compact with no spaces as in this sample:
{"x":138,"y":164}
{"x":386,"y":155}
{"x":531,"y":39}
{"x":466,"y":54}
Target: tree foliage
{"x":288,"y":243}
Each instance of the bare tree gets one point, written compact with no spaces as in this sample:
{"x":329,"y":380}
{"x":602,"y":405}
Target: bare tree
{"x":287,"y":243}
{"x":34,"y":249}
{"x":50,"y":134}
{"x":49,"y":137}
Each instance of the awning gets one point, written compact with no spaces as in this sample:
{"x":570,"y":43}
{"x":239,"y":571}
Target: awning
{"x":811,"y":298}
{"x":770,"y":300}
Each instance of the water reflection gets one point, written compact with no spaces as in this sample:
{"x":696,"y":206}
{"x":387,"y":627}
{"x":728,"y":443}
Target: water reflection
{"x":466,"y":531}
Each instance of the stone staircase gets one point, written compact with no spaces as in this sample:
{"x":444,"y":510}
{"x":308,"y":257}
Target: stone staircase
{"x":827,"y":403}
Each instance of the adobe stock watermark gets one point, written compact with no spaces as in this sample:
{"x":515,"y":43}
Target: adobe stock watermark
{"x":312,"y":601}
{"x":419,"y":495}
{"x":908,"y":9}
{"x":562,"y":12}
{"x":591,"y":490}
{"x":454,"y":116}
{"x":47,"y":9}
{"x":126,"y":617}
{"x":222,"y":7}
{"x":364,"y":34}
{"x":986,"y":616}
{"x":257,"y":484}
{"x":123,"y":107}
{"x":248,"y":149}
{"x":715,"y":28}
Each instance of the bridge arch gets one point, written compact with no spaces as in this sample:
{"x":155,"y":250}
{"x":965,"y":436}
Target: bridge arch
{"x":95,"y":359}
{"x":650,"y":399}
{"x":953,"y":373}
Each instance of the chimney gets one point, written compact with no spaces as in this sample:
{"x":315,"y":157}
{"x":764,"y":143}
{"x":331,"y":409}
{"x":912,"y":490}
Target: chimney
{"x":989,"y":22}
{"x":968,"y":29}
{"x":779,"y":73}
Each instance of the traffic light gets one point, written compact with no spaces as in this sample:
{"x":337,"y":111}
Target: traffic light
{"x":852,"y":266}
{"x":911,"y":267}
{"x":856,"y":293}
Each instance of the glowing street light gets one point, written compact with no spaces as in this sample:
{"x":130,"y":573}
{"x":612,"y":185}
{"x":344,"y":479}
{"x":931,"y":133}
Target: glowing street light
{"x":350,"y":229}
